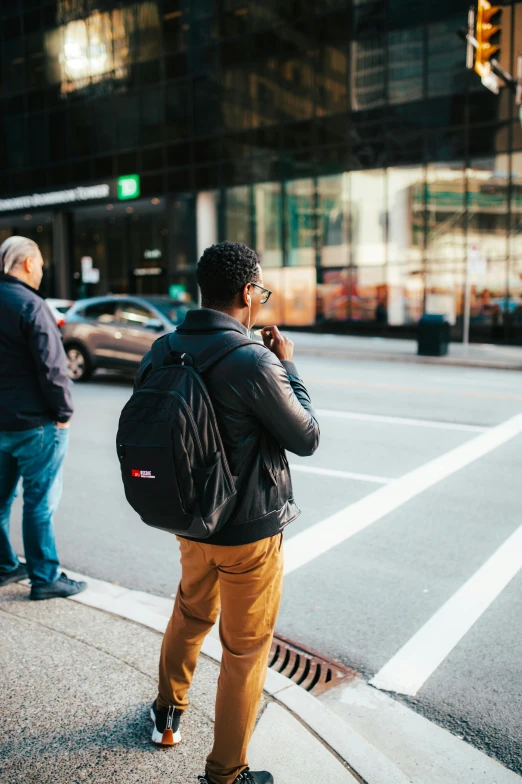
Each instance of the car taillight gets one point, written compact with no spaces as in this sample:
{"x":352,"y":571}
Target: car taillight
{"x":61,"y":322}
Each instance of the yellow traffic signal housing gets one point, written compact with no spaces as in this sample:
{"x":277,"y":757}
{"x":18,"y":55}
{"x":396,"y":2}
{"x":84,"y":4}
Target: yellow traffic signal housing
{"x":484,"y":31}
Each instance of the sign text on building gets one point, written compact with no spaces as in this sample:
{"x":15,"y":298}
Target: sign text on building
{"x":81,"y":193}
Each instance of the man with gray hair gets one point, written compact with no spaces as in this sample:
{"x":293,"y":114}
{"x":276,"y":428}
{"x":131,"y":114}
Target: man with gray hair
{"x":35,"y":409}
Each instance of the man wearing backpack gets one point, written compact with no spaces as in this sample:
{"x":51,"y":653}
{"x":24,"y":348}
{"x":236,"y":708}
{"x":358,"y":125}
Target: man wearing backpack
{"x":262,"y":409}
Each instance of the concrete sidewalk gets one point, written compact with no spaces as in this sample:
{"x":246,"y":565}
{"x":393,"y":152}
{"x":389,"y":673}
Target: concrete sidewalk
{"x":79,"y":677}
{"x":484,"y":355}
{"x":76,"y":689}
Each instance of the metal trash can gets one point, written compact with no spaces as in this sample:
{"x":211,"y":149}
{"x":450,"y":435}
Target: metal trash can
{"x":433,"y":336}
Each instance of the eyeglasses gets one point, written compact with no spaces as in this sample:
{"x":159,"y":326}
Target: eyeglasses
{"x":266,"y":293}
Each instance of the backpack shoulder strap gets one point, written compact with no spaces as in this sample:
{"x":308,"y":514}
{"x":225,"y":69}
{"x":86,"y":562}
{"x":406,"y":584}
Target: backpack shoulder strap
{"x":219,"y":349}
{"x":161,"y":352}
{"x":164,"y":351}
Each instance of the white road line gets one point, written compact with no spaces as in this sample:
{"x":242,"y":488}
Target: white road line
{"x":321,"y":537}
{"x":390,"y":420}
{"x":411,"y":667}
{"x":379,"y":480}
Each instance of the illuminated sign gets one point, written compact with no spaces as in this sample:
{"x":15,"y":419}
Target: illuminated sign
{"x":141,"y":272}
{"x":71,"y":195}
{"x":177,"y":290}
{"x":129,"y":186}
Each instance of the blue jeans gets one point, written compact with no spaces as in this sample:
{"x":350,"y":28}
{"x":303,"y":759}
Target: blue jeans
{"x":37,"y":456}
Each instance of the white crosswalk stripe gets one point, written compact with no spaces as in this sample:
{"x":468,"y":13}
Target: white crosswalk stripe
{"x":379,"y":480}
{"x":411,"y":667}
{"x":321,"y":537}
{"x":391,"y":420}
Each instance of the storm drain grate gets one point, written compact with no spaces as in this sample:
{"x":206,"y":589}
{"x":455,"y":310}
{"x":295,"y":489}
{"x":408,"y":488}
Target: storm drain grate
{"x":306,"y":667}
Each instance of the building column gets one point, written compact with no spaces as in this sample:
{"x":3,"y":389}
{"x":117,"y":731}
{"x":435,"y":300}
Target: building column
{"x":206,"y":220}
{"x":61,"y":253}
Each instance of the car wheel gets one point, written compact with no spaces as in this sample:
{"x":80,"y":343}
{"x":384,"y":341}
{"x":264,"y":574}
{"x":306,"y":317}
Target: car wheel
{"x":78,"y":364}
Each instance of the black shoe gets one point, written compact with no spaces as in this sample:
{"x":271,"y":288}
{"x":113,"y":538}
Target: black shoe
{"x":61,"y":588}
{"x":166,"y":725}
{"x":20,"y":573}
{"x":246,"y":776}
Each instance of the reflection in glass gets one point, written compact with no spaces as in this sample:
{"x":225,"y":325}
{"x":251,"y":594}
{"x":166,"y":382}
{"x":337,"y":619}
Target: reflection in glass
{"x":487,"y":194}
{"x":293,"y":299}
{"x":405,"y":200}
{"x":237,"y":215}
{"x":297,"y":84}
{"x":369,"y":294}
{"x":236,"y":108}
{"x":368,"y":73}
{"x":515,"y":250}
{"x":101,"y":46}
{"x":299,"y":296}
{"x":445,"y":74}
{"x":445,"y":205}
{"x":299,"y":223}
{"x":265,"y":92}
{"x":333,"y":218}
{"x":267,"y":203}
{"x":488,"y":297}
{"x":331,"y":85}
{"x":487,"y":182}
{"x":445,"y":239}
{"x":368,"y":217}
{"x":273,"y":311}
{"x":333,"y":295}
{"x":406,"y":67}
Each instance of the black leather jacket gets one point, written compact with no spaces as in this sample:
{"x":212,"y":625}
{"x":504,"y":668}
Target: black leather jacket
{"x":263,"y":409}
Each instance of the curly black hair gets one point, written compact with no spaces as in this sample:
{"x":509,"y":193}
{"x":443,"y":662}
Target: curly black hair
{"x":223,"y":271}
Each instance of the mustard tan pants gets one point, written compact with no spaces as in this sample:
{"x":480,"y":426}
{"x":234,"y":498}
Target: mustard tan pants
{"x":245,"y":581}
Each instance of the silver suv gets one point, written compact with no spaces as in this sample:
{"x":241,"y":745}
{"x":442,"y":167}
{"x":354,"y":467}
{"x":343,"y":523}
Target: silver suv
{"x":115,"y":332}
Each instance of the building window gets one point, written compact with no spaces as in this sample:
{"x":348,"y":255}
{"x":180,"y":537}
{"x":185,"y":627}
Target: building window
{"x":368,"y":73}
{"x":406,"y":68}
{"x":268,"y":222}
{"x":300,"y":223}
{"x":238,"y":215}
{"x":333,"y":217}
{"x":445,"y":72}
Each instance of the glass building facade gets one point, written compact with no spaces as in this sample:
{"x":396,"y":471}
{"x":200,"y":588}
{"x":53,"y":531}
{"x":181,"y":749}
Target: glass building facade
{"x":346,"y":141}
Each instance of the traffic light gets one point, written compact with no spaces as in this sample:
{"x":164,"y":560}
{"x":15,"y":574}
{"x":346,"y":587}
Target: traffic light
{"x":484,"y":32}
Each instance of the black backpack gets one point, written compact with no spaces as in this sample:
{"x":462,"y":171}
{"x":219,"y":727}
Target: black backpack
{"x":174,"y":468}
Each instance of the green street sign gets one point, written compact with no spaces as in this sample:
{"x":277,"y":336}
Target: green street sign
{"x":129,"y":187}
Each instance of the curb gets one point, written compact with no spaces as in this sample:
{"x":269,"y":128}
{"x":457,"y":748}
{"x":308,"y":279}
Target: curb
{"x":362,"y":758}
{"x":448,"y":361}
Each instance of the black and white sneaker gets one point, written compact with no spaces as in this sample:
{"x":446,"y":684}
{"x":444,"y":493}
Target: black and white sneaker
{"x":246,"y":776}
{"x":166,"y":725}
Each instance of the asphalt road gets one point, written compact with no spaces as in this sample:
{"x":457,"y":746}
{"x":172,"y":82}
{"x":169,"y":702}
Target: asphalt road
{"x":365,"y":598}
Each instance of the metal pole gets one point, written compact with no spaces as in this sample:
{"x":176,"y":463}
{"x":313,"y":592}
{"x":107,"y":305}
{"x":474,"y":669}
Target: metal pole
{"x":519,"y":81}
{"x":467,"y":302}
{"x":471,"y":32}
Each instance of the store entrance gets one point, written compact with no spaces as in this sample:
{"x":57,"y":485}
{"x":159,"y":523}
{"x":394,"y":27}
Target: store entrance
{"x":128,"y":244}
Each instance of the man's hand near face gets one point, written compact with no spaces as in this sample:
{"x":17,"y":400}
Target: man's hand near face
{"x":280,"y":345}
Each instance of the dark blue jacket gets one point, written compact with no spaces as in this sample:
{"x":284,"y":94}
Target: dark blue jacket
{"x":34,"y":388}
